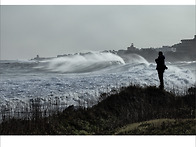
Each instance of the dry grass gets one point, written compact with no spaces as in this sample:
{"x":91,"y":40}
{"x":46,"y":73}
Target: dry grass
{"x":160,"y":127}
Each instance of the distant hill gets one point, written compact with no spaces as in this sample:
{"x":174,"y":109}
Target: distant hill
{"x":183,"y":51}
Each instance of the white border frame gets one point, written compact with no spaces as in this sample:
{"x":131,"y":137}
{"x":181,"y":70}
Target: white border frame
{"x":98,"y":2}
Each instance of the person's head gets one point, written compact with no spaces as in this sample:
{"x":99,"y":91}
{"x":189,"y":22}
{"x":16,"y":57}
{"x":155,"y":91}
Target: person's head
{"x":160,"y":53}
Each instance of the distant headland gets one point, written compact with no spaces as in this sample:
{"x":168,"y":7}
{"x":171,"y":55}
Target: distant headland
{"x":183,"y":51}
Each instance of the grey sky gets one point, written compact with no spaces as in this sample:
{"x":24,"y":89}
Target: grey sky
{"x":52,"y":30}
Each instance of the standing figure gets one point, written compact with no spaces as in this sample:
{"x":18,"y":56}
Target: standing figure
{"x":161,"y":68}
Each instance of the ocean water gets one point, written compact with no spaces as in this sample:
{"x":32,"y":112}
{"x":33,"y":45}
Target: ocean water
{"x":80,"y":79}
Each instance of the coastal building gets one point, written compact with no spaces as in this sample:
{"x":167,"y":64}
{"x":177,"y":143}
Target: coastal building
{"x":186,"y":45}
{"x":132,"y":48}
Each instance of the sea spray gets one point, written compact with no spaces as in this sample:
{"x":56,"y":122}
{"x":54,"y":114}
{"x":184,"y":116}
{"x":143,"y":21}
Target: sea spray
{"x":82,"y":63}
{"x":135,"y":58}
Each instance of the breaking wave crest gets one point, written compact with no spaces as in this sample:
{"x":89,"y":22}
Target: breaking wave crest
{"x":82,"y":63}
{"x":135,"y":58}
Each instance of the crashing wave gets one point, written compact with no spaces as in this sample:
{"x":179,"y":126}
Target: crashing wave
{"x":81,"y":63}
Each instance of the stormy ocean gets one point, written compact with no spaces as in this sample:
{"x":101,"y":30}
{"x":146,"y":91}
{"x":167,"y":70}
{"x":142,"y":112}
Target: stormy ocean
{"x":80,"y":79}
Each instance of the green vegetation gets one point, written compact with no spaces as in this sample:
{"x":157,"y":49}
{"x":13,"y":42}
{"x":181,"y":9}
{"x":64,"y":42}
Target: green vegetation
{"x":118,"y":113}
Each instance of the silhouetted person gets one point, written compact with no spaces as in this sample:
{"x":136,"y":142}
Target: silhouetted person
{"x":161,"y":68}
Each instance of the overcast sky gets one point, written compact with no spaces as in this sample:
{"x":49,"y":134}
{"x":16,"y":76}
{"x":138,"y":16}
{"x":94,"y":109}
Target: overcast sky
{"x":52,"y":30}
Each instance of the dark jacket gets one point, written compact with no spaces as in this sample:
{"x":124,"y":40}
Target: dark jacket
{"x":160,"y":63}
